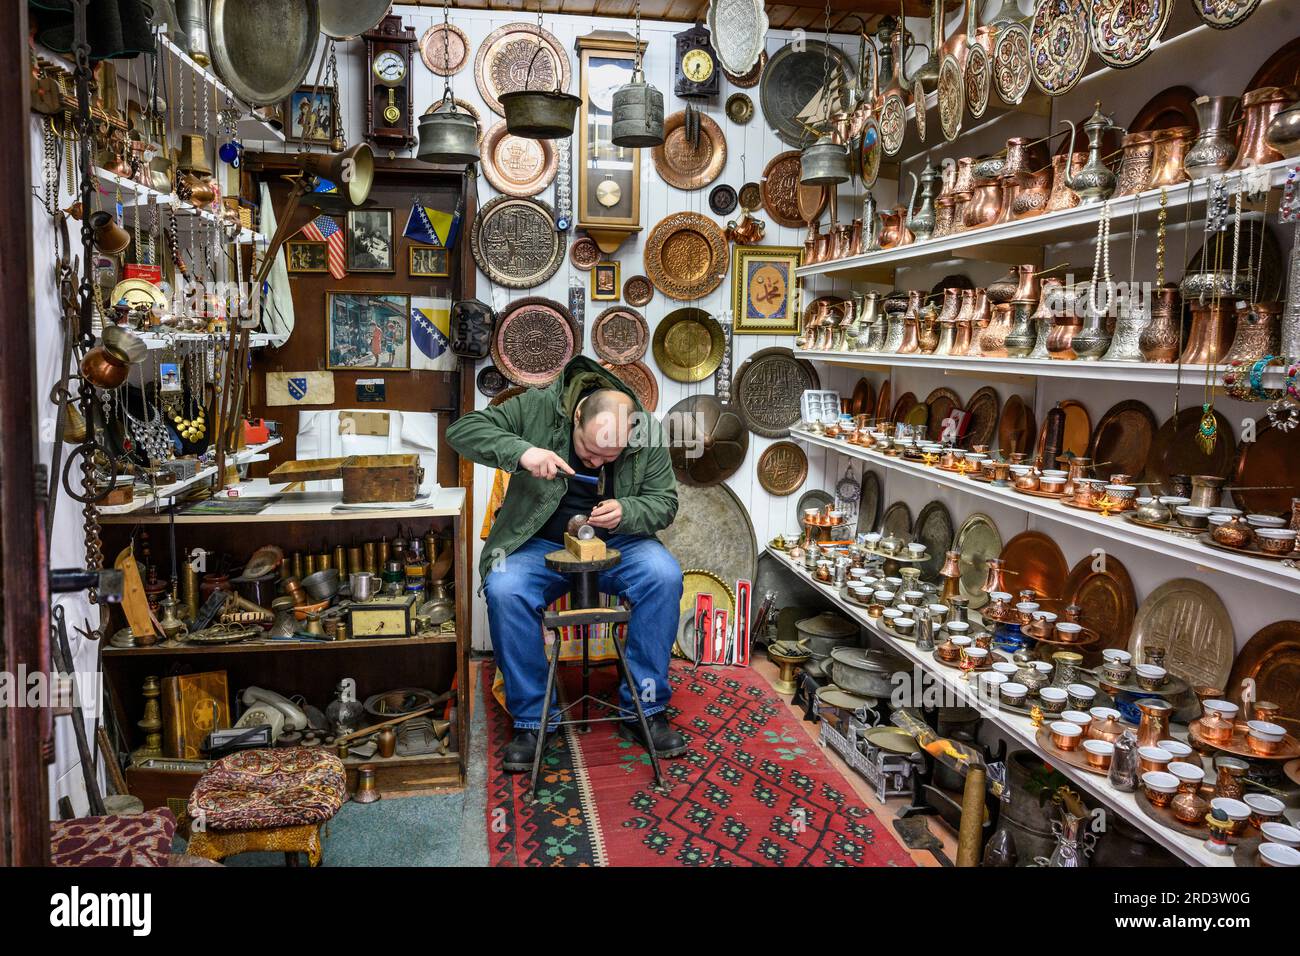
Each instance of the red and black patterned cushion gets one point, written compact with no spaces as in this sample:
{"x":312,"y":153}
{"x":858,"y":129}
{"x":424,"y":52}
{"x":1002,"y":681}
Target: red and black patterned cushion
{"x":260,"y":789}
{"x":136,"y":839}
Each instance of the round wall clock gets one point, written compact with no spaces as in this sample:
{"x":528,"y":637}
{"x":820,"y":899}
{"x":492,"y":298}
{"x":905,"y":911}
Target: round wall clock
{"x":515,"y":242}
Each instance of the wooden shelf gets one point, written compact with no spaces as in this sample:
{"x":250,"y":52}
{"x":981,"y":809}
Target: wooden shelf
{"x":1271,"y":573}
{"x":166,"y":493}
{"x":135,"y":195}
{"x":299,"y":506}
{"x":263,"y":647}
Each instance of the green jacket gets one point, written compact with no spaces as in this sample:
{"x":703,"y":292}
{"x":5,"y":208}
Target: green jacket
{"x":644,"y":483}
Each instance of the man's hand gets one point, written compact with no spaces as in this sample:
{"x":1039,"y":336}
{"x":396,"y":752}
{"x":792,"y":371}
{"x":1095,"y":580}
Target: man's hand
{"x":608,"y":514}
{"x":543,"y":463}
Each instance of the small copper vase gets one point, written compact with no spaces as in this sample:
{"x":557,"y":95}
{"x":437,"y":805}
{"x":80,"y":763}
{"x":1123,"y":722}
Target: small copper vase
{"x":1135,"y":165}
{"x":1159,"y":340}
{"x":993,"y":340}
{"x":1171,"y":147}
{"x":1211,"y":334}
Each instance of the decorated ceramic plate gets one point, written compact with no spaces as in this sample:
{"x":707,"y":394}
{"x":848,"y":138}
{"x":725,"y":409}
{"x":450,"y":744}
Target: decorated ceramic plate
{"x":1224,"y":14}
{"x":1058,"y":44}
{"x":1124,"y":31}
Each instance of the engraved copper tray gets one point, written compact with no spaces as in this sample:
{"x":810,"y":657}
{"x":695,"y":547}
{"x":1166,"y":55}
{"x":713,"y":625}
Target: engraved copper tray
{"x":1270,"y":461}
{"x":1108,"y":600}
{"x":502,"y":63}
{"x":680,"y":165}
{"x":1012,"y":74}
{"x":1121,"y":442}
{"x":688,"y":345}
{"x":788,"y":203}
{"x":978,"y":540}
{"x":686,"y":256}
{"x":1015,"y":427}
{"x":517,"y":166}
{"x":940,"y":403}
{"x":981,"y":418}
{"x":863,"y":401}
{"x":1174,"y":450}
{"x":444,"y":51}
{"x":768,"y":388}
{"x":1272,"y":658}
{"x":782,"y":468}
{"x":795,"y":92}
{"x":707,"y":440}
{"x":584,"y":254}
{"x":514,"y":241}
{"x":638,"y":377}
{"x":533,"y":341}
{"x":620,"y":335}
{"x":882,"y":401}
{"x":1033,"y":560}
{"x":1238,"y":746}
{"x":1189,"y":620}
{"x":1280,"y":69}
{"x":638,"y":291}
{"x":906,"y":402}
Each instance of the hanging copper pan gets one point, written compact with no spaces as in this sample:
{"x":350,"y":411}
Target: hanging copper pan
{"x":262,"y":65}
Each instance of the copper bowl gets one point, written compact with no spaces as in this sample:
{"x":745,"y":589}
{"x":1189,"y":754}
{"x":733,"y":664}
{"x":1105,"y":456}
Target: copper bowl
{"x":1065,"y":735}
{"x":1099,"y":753}
{"x":1153,"y":759}
{"x":1159,"y":787}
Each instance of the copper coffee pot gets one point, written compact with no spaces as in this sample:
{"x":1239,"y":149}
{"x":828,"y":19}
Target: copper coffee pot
{"x":1211,"y":335}
{"x":1135,"y":165}
{"x":1159,"y":340}
{"x":981,"y":315}
{"x":1169,"y":150}
{"x":1062,"y":197}
{"x":1258,"y":108}
{"x":993,"y":340}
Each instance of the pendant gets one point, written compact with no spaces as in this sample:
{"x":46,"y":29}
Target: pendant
{"x":1208,"y":432}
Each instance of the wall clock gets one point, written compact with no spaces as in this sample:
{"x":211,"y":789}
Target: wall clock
{"x":695,"y":69}
{"x":389,"y":50}
{"x":609,"y":176}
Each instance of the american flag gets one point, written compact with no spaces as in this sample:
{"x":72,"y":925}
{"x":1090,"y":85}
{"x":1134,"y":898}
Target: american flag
{"x":325,"y":229}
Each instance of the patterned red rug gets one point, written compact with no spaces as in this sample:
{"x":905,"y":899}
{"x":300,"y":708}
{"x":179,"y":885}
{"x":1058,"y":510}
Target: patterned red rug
{"x":751,"y":790}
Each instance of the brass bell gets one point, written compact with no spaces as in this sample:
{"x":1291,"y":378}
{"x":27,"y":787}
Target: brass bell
{"x":366,"y":791}
{"x":110,"y":238}
{"x":637,"y":117}
{"x":193,"y":155}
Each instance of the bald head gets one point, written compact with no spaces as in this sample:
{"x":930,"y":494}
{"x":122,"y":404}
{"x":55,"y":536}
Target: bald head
{"x":602,"y":423}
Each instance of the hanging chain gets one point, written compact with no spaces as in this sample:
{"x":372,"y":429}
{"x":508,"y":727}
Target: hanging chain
{"x":1161,"y":231}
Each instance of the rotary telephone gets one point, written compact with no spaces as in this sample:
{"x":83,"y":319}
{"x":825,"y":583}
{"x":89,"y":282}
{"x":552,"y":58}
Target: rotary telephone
{"x":268,"y":707}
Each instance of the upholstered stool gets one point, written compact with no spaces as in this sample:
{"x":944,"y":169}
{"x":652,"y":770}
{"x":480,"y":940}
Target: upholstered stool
{"x":273,"y":800}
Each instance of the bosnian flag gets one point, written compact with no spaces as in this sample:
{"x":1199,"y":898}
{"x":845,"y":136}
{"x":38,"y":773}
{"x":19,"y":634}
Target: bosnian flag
{"x":325,"y":229}
{"x":430,"y":325}
{"x":432,"y":227}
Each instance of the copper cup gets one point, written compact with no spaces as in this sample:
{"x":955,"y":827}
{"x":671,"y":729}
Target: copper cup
{"x":1135,"y":165}
{"x":1170,"y":147}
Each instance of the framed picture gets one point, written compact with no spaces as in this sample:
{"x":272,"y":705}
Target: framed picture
{"x":309,"y":106}
{"x":429,"y":261}
{"x":604,"y":282}
{"x":763,"y":289}
{"x":370,"y":240}
{"x":304,"y":256}
{"x":367,"y":330}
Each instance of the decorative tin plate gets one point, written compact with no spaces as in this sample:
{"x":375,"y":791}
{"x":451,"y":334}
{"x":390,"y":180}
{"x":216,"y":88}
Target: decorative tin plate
{"x":707,"y":441}
{"x":952,"y":97}
{"x":533,"y":340}
{"x":686,"y":255}
{"x":781,"y":193}
{"x":1273,"y":455}
{"x":870,"y":152}
{"x":1121,"y":442}
{"x":893,"y":123}
{"x":1033,"y":560}
{"x":584,"y":254}
{"x":782,"y":468}
{"x":638,"y":377}
{"x":712,"y":531}
{"x":933,"y":528}
{"x":1108,"y":600}
{"x":737,"y":29}
{"x":982,"y":418}
{"x":688,"y":345}
{"x":1272,"y":658}
{"x":750,"y":79}
{"x":1224,"y":14}
{"x":768,"y":388}
{"x":1189,"y":621}
{"x":978,"y":540}
{"x":637,"y":291}
{"x":1058,"y":44}
{"x":722,"y":200}
{"x":869,"y":502}
{"x":491,"y":382}
{"x":794,"y":94}
{"x":740,"y":108}
{"x":515,"y":242}
{"x":444,"y":52}
{"x":1174,"y":450}
{"x":1123,"y":31}
{"x":1012,"y":73}
{"x":897,"y":521}
{"x":680,"y":165}
{"x":501,"y":64}
{"x":259,"y":65}
{"x":979,"y":79}
{"x":517,"y":166}
{"x":620,"y":335}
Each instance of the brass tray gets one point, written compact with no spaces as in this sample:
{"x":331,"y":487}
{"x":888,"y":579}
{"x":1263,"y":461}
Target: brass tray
{"x":782,"y":468}
{"x":934,"y":529}
{"x":868,"y":502}
{"x":533,"y":340}
{"x":788,"y":203}
{"x":1075,"y":434}
{"x":1190,"y":622}
{"x":768,"y":388}
{"x":863,"y":401}
{"x":638,"y":291}
{"x":505,"y":62}
{"x":444,"y":55}
{"x":638,"y":377}
{"x":1123,"y":438}
{"x":515,"y":242}
{"x":1272,"y":658}
{"x":978,"y":540}
{"x":940,"y":403}
{"x":982,"y":418}
{"x":515,"y":165}
{"x":620,"y":335}
{"x":712,"y":531}
{"x":686,"y":256}
{"x":906,"y":402}
{"x":1246,"y":853}
{"x":1036,"y":493}
{"x":680,"y":165}
{"x":897,"y":520}
{"x":1058,"y":44}
{"x":688,"y":345}
{"x":1238,"y":747}
{"x":795,"y":91}
{"x":1108,"y":599}
{"x":1171,"y":527}
{"x":1015,"y":427}
{"x":1165,"y":816}
{"x":883,"y":401}
{"x":1174,"y":686}
{"x":1077,"y":758}
{"x":1207,"y":539}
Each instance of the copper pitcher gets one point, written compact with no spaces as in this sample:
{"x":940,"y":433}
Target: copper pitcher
{"x":1033,"y":195}
{"x":911,"y":325}
{"x":1025,"y":158}
{"x":1062,"y":197}
{"x":993,"y":340}
{"x":961,"y":337}
{"x":1135,"y":163}
{"x":960,"y":201}
{"x":1258,"y":107}
{"x":893,"y":228}
{"x":1062,"y":318}
{"x":981,"y":315}
{"x":1211,"y":335}
{"x":1171,"y":147}
{"x":1010,"y":186}
{"x":927,"y":333}
{"x":984,"y":206}
{"x":1027,"y":285}
{"x":1257,"y":333}
{"x":1159,"y":340}
{"x":943,"y":217}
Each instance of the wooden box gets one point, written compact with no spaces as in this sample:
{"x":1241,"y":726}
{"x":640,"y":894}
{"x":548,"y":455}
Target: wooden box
{"x":366,"y":478}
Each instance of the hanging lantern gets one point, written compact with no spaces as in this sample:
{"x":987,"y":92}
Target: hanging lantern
{"x":824,"y":163}
{"x":448,"y":136}
{"x":638,"y":113}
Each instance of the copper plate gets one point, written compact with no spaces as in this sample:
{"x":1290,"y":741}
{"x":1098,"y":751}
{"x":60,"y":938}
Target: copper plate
{"x":940,"y":402}
{"x":688,"y":345}
{"x":1166,"y":110}
{"x":893,"y":123}
{"x":517,"y":166}
{"x":1123,"y":438}
{"x":1224,"y":14}
{"x":584,"y":254}
{"x":1272,"y":459}
{"x":620,"y":335}
{"x":712,"y":530}
{"x":445,"y":51}
{"x":1078,"y":429}
{"x":1272,"y":658}
{"x":533,"y":341}
{"x":1058,"y":44}
{"x":515,"y":242}
{"x":491,"y":382}
{"x":882,"y":401}
{"x":788,"y":203}
{"x":750,"y":196}
{"x":680,"y":165}
{"x":505,"y":62}
{"x":638,"y":291}
{"x":768,"y":388}
{"x":869,"y":502}
{"x":906,"y":402}
{"x":1034,"y":560}
{"x":749,"y":80}
{"x":1012,"y":73}
{"x":740,"y":108}
{"x":978,"y":540}
{"x":1108,"y":600}
{"x":897,"y":521}
{"x":982,"y":418}
{"x":638,"y":377}
{"x":863,"y":401}
{"x":978,"y":78}
{"x":1016,"y":427}
{"x":707,"y":440}
{"x":1189,"y":621}
{"x":1123,"y":31}
{"x":951,"y":96}
{"x":686,"y":255}
{"x":1174,"y":450}
{"x":782,"y":468}
{"x":934,"y":529}
{"x":1280,"y":69}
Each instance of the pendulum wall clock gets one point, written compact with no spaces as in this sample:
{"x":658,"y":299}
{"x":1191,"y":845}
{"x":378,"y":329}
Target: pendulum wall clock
{"x":389,"y":50}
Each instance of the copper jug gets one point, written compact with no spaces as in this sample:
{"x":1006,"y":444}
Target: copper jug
{"x":927,"y":331}
{"x":1171,"y":147}
{"x":947,"y":320}
{"x":1155,"y":720}
{"x":1065,"y":321}
{"x":911,"y":325}
{"x":1258,"y":108}
{"x":943,"y":217}
{"x":1002,"y":290}
{"x":961,"y":337}
{"x":1010,"y":187}
{"x":1024,"y":158}
{"x":1257,"y":333}
{"x":1159,"y":340}
{"x":1135,"y":163}
{"x":1062,"y":197}
{"x":960,"y":201}
{"x":1027,"y":285}
{"x":1211,"y":334}
{"x":981,"y":315}
{"x":1033,"y":195}
{"x":992,"y":341}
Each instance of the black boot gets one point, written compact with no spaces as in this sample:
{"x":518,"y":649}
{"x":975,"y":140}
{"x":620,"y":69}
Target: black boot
{"x":668,"y":742}
{"x":518,"y":756}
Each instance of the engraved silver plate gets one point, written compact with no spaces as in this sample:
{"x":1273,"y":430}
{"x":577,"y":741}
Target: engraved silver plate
{"x":737,"y":29}
{"x":768,"y":389}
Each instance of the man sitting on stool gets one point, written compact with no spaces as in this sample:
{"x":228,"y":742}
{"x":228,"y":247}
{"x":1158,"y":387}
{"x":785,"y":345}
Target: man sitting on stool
{"x":584,"y":425}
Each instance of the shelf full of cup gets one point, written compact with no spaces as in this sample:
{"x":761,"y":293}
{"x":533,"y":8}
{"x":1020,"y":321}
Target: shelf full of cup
{"x":1011,"y":241}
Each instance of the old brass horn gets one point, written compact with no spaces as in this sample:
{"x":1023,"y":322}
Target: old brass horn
{"x":353,"y":170}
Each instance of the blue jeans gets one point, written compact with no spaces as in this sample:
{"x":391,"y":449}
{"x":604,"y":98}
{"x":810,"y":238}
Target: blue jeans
{"x":521,"y":587}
